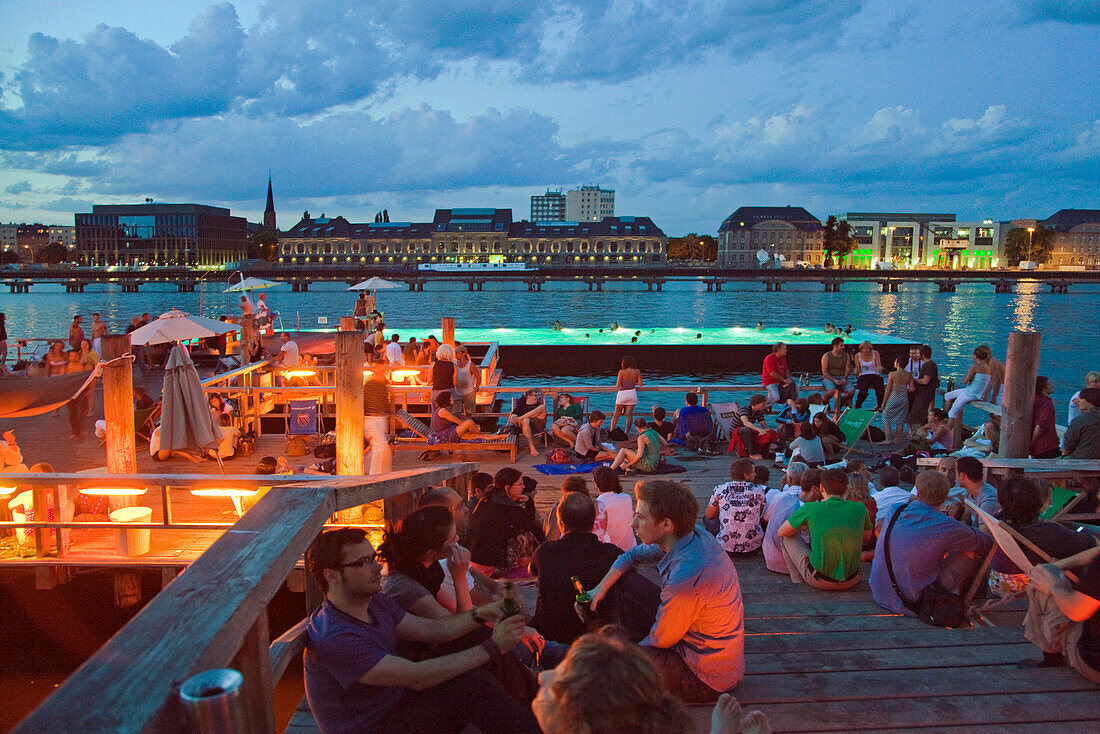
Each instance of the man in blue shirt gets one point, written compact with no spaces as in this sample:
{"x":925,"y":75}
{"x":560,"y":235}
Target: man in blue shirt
{"x":970,"y":476}
{"x":693,"y":419}
{"x":697,"y":640}
{"x":926,"y":546}
{"x":355,"y":682}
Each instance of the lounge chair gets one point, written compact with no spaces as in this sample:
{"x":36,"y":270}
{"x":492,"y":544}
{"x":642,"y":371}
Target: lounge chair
{"x":854,"y":424}
{"x":417,"y":426}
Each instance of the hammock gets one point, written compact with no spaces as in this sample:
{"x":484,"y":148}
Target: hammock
{"x":24,"y":397}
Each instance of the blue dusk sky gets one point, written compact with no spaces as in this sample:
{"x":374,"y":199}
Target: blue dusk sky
{"x":687,"y":109}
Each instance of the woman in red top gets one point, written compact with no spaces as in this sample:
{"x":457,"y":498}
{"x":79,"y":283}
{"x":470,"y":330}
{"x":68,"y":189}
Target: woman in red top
{"x":1044,"y":434}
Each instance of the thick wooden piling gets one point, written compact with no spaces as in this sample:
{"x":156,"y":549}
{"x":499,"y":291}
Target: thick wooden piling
{"x":349,"y":411}
{"x":1021,"y":368}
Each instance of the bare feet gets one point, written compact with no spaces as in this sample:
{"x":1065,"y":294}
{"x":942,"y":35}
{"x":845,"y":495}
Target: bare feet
{"x":728,"y":718}
{"x":534,"y":451}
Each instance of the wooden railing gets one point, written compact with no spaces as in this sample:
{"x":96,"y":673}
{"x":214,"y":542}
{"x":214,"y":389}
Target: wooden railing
{"x":214,"y":615}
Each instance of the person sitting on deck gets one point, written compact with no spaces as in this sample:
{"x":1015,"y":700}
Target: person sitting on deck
{"x":646,"y":456}
{"x":605,"y":685}
{"x":529,"y":411}
{"x":660,"y":425}
{"x":588,"y":446}
{"x":504,"y":527}
{"x":738,"y":506}
{"x":693,"y":419}
{"x":356,"y":683}
{"x":1082,"y":439}
{"x":446,"y":427}
{"x":614,"y":509}
{"x":808,"y":447}
{"x":1021,"y":501}
{"x":1063,"y":618}
{"x":697,"y":640}
{"x":970,"y":478}
{"x":926,"y":547}
{"x":482,"y":588}
{"x":837,"y":528}
{"x":779,"y":506}
{"x":572,"y":484}
{"x":567,"y":419}
{"x":751,"y":435}
{"x":576,"y":552}
{"x":832,"y":438}
{"x":788,"y":424}
{"x":889,"y":497}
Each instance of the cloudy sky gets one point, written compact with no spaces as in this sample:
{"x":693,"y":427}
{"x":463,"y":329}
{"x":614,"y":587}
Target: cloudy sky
{"x":687,"y":109}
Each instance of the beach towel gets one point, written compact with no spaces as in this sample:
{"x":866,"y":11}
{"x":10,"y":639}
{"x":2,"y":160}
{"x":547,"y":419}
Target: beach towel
{"x":558,"y":469}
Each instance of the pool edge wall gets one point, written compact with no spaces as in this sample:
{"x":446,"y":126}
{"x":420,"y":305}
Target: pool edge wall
{"x":576,"y":359}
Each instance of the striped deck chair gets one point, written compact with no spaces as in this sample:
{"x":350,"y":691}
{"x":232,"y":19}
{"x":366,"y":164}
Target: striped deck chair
{"x":420,"y":443}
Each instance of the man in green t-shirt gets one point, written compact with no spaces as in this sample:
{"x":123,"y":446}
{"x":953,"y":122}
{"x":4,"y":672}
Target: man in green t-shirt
{"x":837,"y":528}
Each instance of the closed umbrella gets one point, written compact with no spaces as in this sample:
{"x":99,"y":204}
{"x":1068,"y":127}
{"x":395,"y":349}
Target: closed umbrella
{"x":177,"y":326}
{"x":186,"y":421}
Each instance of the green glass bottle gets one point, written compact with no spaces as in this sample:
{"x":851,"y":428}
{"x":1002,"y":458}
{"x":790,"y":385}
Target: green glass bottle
{"x":583,"y":606}
{"x":509,"y":606}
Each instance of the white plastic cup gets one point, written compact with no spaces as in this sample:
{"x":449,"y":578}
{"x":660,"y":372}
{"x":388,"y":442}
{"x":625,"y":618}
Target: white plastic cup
{"x":132,"y":542}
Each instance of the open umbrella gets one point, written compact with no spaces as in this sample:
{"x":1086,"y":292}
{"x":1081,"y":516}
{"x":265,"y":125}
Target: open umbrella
{"x":185,"y":419}
{"x":250,"y":284}
{"x":375,"y":283}
{"x":176,"y":326}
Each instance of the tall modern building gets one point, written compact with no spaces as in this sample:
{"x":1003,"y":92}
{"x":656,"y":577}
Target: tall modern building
{"x":589,"y":204}
{"x":548,"y":207}
{"x":473,"y":236}
{"x":924,"y":239}
{"x":269,"y":211}
{"x":160,"y":234}
{"x":789,"y":231}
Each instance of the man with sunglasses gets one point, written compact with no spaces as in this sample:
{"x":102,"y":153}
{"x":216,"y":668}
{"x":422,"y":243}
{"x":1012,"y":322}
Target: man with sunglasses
{"x":356,"y":683}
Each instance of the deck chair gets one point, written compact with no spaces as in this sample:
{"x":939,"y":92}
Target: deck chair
{"x":1009,"y":541}
{"x":302,"y":418}
{"x":536,"y":430}
{"x":854,"y":424}
{"x":1059,"y":498}
{"x":420,"y":442}
{"x":145,"y":420}
{"x":725,"y":414}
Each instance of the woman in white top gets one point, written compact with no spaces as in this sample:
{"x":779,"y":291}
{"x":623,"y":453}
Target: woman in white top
{"x":808,"y":447}
{"x":867,"y":364}
{"x":614,"y":510}
{"x":975,"y":385}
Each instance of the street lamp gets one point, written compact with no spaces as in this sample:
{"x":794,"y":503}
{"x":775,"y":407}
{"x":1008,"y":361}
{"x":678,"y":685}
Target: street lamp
{"x":1030,"y":239}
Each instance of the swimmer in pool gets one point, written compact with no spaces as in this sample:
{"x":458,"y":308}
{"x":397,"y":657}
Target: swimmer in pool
{"x":633,"y":340}
{"x":759,"y":325}
{"x":558,"y":326}
{"x":848,"y":329}
{"x":614,"y":325}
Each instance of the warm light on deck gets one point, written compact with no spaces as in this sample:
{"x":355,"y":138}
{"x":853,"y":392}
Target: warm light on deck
{"x":224,"y":491}
{"x":6,"y":492}
{"x":403,"y":375}
{"x":114,"y":491}
{"x":300,"y":373}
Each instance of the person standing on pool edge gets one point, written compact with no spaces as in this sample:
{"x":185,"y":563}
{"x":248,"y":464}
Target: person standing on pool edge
{"x":626,"y":395}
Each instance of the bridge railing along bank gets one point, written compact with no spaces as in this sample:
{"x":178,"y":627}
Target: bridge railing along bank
{"x":214,"y":615}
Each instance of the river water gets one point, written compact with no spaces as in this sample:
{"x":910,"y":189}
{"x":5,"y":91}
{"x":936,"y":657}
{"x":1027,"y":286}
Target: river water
{"x":951,"y":323}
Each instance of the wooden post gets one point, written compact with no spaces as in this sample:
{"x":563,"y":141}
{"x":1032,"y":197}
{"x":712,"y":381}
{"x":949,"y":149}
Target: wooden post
{"x":253,"y":661}
{"x":449,"y":330}
{"x":1021,"y":368}
{"x":118,"y":406}
{"x":347,"y":323}
{"x":349,"y":410}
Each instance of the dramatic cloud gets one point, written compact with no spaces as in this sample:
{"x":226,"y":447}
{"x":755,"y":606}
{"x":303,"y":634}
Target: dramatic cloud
{"x":19,"y":187}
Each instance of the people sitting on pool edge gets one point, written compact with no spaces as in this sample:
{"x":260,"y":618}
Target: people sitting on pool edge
{"x":838,"y":528}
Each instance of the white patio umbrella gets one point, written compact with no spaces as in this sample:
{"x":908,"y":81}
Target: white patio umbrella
{"x":250,"y":284}
{"x":186,"y":421}
{"x":177,"y":326}
{"x":375,"y":283}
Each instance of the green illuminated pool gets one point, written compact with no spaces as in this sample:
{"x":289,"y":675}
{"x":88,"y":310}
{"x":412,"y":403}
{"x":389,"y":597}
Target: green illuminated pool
{"x":626,"y":334}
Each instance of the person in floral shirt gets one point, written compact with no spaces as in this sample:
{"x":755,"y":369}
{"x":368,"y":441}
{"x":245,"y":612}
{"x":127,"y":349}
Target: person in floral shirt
{"x":738,"y":506}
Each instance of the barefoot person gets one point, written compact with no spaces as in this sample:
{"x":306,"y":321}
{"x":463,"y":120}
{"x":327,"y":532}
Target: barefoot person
{"x":529,"y":410}
{"x":627,"y":383}
{"x":647,"y":454}
{"x":895,"y":405}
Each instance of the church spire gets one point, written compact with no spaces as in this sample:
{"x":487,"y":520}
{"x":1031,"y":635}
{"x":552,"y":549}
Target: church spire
{"x":269,"y":212}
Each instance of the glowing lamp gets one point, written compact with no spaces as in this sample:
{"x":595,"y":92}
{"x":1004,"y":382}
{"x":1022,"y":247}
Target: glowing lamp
{"x":6,"y":492}
{"x":300,"y":373}
{"x":114,"y":491}
{"x":403,"y":375}
{"x":224,"y":491}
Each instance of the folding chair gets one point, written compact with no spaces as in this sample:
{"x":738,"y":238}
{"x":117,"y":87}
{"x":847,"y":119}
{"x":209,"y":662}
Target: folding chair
{"x":854,"y":424}
{"x":302,"y":418}
{"x":1009,"y":541}
{"x":1059,"y":498}
{"x":537,"y":430}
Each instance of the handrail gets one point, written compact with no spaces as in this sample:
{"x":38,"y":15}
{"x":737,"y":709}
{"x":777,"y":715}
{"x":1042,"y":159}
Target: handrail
{"x":213,"y":615}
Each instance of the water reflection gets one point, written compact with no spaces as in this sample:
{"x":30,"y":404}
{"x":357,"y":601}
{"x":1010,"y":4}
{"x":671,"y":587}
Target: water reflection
{"x":1026,"y":303}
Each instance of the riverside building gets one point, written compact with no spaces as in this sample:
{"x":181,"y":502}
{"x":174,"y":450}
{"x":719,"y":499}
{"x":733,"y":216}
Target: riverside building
{"x":160,"y":234}
{"x":549,"y":207}
{"x":924,"y":240}
{"x":1076,"y":244}
{"x":787,"y":231}
{"x":473,"y":236}
{"x":589,"y":204}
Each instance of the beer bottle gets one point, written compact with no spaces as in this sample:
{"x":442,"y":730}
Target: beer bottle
{"x":509,"y":606}
{"x":583,"y":606}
